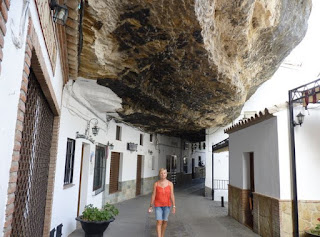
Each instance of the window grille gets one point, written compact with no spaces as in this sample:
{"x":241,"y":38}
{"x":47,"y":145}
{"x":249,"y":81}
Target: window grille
{"x":99,"y":169}
{"x":68,"y":170}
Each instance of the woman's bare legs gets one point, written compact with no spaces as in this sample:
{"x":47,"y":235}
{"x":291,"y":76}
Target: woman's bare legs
{"x":163,"y":228}
{"x":159,"y":228}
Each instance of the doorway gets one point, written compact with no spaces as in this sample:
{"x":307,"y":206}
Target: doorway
{"x":30,"y":196}
{"x":251,"y":189}
{"x":83,"y":178}
{"x":138,"y":180}
{"x":193,"y":167}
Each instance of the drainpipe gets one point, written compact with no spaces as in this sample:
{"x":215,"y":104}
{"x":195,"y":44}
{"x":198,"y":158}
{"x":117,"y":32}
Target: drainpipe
{"x":293,"y":168}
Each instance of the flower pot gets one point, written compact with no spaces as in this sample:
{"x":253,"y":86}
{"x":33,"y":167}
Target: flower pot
{"x":94,"y":228}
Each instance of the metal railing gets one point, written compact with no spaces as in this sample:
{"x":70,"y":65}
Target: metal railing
{"x":220,"y":184}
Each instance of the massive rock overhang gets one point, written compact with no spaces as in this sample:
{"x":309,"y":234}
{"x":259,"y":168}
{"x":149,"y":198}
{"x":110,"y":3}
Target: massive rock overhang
{"x":183,"y":66}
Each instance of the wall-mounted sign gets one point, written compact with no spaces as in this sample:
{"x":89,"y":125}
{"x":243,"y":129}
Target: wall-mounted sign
{"x":47,"y":27}
{"x":131,"y":146}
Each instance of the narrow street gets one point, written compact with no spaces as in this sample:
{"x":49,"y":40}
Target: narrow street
{"x":196,"y":216}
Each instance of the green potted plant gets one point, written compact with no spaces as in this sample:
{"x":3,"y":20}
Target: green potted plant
{"x":95,"y":221}
{"x":315,"y":231}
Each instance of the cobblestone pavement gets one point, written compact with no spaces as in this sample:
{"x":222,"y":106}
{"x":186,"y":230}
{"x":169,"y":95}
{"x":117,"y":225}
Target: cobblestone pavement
{"x":196,"y":216}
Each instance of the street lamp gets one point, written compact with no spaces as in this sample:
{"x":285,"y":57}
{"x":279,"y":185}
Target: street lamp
{"x":60,"y":12}
{"x":300,"y":118}
{"x":95,"y":128}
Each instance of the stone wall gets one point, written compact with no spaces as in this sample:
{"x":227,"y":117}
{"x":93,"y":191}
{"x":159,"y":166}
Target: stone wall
{"x":127,"y":190}
{"x":238,"y":204}
{"x":147,"y":184}
{"x":266,"y":220}
{"x":207,"y":191}
{"x":309,"y":211}
{"x":271,"y":216}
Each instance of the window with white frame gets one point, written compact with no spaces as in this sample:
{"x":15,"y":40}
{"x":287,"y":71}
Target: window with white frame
{"x":99,"y":169}
{"x":68,"y":170}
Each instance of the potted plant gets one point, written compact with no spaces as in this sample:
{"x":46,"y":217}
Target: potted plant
{"x":95,"y":221}
{"x":315,"y":231}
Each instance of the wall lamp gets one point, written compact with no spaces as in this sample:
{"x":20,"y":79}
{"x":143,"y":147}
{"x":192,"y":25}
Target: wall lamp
{"x":110,"y":145}
{"x":300,"y":118}
{"x":95,"y":130}
{"x":60,"y":15}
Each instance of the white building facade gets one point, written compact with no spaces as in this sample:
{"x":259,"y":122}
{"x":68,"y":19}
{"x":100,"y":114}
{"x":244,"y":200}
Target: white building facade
{"x":50,"y":166}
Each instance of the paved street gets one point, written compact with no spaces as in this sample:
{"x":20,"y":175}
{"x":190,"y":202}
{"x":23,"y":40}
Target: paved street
{"x":196,"y":216}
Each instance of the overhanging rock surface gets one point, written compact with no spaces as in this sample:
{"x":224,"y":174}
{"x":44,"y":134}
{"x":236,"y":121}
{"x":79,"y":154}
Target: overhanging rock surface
{"x":182,"y":66}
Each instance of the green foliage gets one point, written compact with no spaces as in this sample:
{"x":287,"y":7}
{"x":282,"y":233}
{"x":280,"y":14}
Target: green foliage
{"x":92,"y":213}
{"x":316,"y":230}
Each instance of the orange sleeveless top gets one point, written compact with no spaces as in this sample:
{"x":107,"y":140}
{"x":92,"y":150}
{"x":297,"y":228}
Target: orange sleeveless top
{"x":163,"y":195}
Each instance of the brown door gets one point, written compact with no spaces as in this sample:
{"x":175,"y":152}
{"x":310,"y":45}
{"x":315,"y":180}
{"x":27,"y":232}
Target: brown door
{"x":30,"y":195}
{"x":138,"y":181}
{"x":249,"y":212}
{"x":114,"y":172}
{"x":79,"y":194}
{"x":193,"y":167}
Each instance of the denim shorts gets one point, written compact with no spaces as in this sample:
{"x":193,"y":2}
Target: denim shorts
{"x":162,"y":213}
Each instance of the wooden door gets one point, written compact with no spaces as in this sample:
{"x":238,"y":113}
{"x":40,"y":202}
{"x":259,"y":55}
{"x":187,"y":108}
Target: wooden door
{"x":193,"y":165}
{"x":138,"y":180}
{"x":249,"y":212}
{"x":114,"y":172}
{"x":80,"y":178}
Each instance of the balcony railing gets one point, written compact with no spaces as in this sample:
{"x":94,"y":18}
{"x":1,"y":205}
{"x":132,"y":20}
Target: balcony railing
{"x":220,"y":184}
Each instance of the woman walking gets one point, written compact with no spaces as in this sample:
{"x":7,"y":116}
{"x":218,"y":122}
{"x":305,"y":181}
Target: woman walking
{"x":162,"y":198}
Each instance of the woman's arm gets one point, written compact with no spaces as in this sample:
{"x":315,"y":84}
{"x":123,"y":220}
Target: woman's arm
{"x":153,"y":196}
{"x":173,"y":201}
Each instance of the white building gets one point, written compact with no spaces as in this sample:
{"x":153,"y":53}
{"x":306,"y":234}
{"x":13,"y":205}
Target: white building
{"x":268,"y":141}
{"x":43,"y":132}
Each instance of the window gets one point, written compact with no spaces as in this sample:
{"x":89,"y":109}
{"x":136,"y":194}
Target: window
{"x":68,"y":170}
{"x":118,"y":133}
{"x":171,"y":163}
{"x":99,"y":169}
{"x":141,"y":139}
{"x":185,"y":164}
{"x":151,"y":137}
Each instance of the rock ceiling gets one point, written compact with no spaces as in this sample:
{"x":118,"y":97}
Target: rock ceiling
{"x":184,"y":65}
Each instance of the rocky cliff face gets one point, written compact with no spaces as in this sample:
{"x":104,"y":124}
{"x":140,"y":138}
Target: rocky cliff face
{"x":183,"y":65}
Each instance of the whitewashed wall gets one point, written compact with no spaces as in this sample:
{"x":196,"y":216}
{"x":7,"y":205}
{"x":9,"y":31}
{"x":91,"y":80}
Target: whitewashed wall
{"x":262,"y":140}
{"x":10,"y":83}
{"x":214,"y":136}
{"x":73,"y":118}
{"x":308,"y":155}
{"x":284,"y":154}
{"x":300,"y":67}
